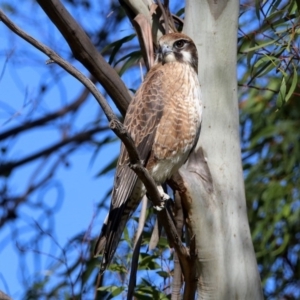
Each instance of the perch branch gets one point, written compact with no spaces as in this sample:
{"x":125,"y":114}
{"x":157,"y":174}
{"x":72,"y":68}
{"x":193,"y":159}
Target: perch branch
{"x":136,"y":165}
{"x":115,"y":124}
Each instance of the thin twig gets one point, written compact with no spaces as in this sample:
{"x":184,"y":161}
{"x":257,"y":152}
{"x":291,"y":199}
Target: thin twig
{"x":135,"y":163}
{"x":61,"y":62}
{"x":257,"y":88}
{"x":177,"y":277}
{"x":6,"y":168}
{"x":142,"y":220}
{"x":156,"y":232}
{"x":115,"y":124}
{"x":136,"y":248}
{"x":45,"y":119}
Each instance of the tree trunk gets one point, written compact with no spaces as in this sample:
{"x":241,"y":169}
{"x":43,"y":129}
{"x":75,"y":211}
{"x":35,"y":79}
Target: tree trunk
{"x":226,"y":262}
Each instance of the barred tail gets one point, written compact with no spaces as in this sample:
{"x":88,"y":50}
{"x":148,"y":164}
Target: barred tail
{"x":111,"y":234}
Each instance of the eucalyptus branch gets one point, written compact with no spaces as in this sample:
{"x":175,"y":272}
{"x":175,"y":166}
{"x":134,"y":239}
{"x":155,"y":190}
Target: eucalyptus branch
{"x":3,"y":296}
{"x":136,"y":164}
{"x":156,"y":232}
{"x":61,"y":62}
{"x":84,"y":51}
{"x":136,"y":248}
{"x":177,"y":277}
{"x":115,"y":124}
{"x":257,"y":88}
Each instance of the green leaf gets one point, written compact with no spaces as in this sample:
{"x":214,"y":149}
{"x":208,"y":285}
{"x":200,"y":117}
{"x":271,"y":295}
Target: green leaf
{"x":286,"y":210}
{"x":282,"y":247}
{"x":115,"y":267}
{"x":264,"y":65}
{"x":116,"y":46}
{"x":293,"y":85}
{"x":114,"y":290}
{"x":163,"y":274}
{"x":148,"y":292}
{"x":259,"y":46}
{"x":126,"y":236}
{"x":264,"y":133}
{"x":298,"y":5}
{"x":148,"y":262}
{"x":257,"y":9}
{"x":134,"y":57}
{"x":282,"y":93}
{"x":128,"y":56}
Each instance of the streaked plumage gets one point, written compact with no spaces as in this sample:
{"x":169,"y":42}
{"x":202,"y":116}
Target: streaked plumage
{"x":164,"y":121}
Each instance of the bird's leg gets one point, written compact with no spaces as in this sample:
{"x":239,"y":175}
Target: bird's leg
{"x":163,"y":196}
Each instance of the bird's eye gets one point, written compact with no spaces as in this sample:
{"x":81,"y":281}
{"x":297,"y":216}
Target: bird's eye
{"x":179,"y":44}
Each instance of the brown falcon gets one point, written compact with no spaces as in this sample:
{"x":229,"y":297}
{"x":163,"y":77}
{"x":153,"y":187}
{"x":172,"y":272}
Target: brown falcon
{"x":164,"y":121}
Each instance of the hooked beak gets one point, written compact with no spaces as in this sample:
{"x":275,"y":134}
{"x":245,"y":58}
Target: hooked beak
{"x":165,"y":50}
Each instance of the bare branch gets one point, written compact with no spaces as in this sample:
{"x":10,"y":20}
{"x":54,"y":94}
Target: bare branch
{"x":10,"y":205}
{"x":258,"y":88}
{"x":136,"y":248}
{"x":61,"y":62}
{"x":115,"y":125}
{"x":177,"y":277}
{"x":3,"y":296}
{"x":84,"y":50}
{"x":165,"y":215}
{"x":191,"y":279}
{"x":6,"y":168}
{"x":50,"y":117}
{"x":142,"y":220}
{"x":155,"y":235}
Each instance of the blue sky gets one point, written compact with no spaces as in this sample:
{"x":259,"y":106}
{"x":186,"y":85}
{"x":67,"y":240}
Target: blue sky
{"x":77,"y":184}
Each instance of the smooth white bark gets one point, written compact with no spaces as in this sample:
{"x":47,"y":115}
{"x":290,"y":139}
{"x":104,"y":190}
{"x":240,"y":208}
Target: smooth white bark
{"x":226,"y":259}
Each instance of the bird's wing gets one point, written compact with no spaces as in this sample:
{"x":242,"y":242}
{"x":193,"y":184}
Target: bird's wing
{"x":141,"y":121}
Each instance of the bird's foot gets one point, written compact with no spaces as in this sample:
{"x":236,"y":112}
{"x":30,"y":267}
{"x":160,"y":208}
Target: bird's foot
{"x":164,"y":197}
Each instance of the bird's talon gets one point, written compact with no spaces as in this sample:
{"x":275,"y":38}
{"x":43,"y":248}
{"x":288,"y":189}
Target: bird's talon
{"x":162,"y":204}
{"x":159,"y":208}
{"x":163,"y":198}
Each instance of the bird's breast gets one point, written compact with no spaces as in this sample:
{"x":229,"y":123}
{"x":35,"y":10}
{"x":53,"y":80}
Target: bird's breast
{"x":178,"y":128}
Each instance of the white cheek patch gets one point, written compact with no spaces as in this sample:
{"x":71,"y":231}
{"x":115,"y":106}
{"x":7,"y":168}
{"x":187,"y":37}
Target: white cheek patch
{"x":187,"y":57}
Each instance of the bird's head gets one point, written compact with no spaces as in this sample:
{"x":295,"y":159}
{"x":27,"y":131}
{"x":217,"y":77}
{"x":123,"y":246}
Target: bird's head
{"x":177,"y":47}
